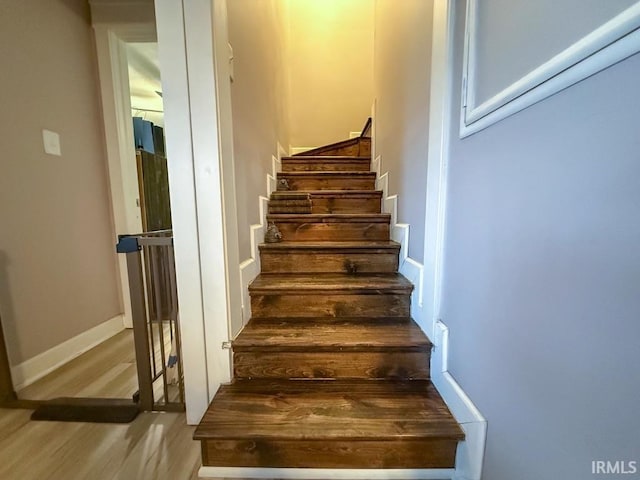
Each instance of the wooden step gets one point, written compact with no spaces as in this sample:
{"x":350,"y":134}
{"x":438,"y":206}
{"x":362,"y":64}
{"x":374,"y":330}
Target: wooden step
{"x":332,"y":227}
{"x":290,"y":206}
{"x":325,"y":163}
{"x":330,"y":295}
{"x":329,"y":257}
{"x":397,"y":350}
{"x":328,"y":424}
{"x":333,"y":201}
{"x":360,"y":146}
{"x":310,"y":181}
{"x":346,"y":201}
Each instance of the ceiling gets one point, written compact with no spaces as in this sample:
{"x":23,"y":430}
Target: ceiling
{"x":144,"y":82}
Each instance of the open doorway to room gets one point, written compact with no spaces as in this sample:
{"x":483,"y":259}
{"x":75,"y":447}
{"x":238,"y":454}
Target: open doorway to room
{"x":131,"y":195}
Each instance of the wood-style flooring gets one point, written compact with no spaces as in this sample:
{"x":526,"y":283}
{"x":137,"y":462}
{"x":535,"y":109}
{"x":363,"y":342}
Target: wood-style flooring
{"x":107,"y":370}
{"x":155,"y":446}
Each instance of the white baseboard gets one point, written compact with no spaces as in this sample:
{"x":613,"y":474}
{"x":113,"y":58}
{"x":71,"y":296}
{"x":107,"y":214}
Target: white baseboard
{"x":250,"y":268}
{"x":326,"y":473}
{"x":410,"y":268}
{"x":470,"y":454}
{"x":35,"y":368}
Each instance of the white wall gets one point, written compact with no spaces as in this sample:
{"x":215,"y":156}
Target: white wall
{"x":259,"y":102}
{"x":542,"y":275}
{"x":330,"y":68}
{"x":58,"y":274}
{"x":401,"y":84}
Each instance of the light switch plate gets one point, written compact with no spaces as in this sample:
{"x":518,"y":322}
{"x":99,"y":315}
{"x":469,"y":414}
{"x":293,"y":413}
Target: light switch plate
{"x":51,"y":142}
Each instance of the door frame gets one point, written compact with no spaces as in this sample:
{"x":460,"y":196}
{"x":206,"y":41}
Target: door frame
{"x":111,"y":50}
{"x":192,"y":40}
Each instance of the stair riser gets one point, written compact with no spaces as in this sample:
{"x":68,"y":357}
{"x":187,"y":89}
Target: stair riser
{"x":289,"y":210}
{"x":330,"y":306}
{"x":345,"y":205}
{"x":396,"y":364}
{"x":320,"y":166}
{"x":398,"y":453}
{"x":316,"y":182}
{"x":355,"y":147}
{"x":332,"y":231}
{"x":289,"y":261}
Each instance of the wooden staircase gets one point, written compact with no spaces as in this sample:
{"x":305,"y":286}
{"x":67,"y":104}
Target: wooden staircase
{"x":331,"y":371}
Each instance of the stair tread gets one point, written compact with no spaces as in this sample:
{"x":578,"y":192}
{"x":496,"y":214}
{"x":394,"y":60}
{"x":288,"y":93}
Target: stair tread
{"x":304,"y":194}
{"x":317,"y":217}
{"x":332,"y":245}
{"x":327,"y":410}
{"x":330,"y":282}
{"x":328,"y":173}
{"x":313,"y":337}
{"x":327,"y":158}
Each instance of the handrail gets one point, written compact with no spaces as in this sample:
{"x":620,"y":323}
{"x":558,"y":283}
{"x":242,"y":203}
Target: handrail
{"x":367,"y":128}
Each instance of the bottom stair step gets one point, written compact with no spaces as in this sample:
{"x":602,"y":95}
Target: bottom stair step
{"x":328,"y":424}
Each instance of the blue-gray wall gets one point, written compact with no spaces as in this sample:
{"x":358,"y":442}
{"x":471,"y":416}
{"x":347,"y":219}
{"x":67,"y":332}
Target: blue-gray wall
{"x":542,"y":277}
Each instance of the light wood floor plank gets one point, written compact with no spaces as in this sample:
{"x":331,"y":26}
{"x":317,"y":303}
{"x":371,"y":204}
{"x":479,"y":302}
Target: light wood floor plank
{"x":156,"y":446}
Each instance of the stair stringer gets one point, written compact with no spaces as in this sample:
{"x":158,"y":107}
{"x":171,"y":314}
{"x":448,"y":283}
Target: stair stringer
{"x":250,"y":268}
{"x":410,"y":268}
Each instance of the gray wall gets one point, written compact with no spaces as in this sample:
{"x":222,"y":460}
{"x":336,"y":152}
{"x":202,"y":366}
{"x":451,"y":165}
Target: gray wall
{"x":58,"y":274}
{"x":402,"y":70}
{"x":542,"y":28}
{"x":542,"y":277}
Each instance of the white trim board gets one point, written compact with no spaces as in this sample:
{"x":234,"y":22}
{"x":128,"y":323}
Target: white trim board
{"x":470,"y":454}
{"x":32,"y":370}
{"x":410,"y":268}
{"x":250,"y":268}
{"x":611,"y":42}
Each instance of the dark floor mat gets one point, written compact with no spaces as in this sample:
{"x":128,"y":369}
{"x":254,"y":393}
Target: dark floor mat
{"x":95,"y":410}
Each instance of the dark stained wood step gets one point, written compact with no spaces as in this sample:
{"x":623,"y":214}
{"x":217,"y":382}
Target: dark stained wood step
{"x":353,"y":146}
{"x":334,"y":201}
{"x":329,"y":424}
{"x":310,"y":181}
{"x":332,"y":227}
{"x":337,"y":350}
{"x":281,"y":336}
{"x":330,"y":296}
{"x":325,"y":163}
{"x":329,"y":257}
{"x":290,"y":206}
{"x":346,"y":201}
{"x":334,"y":283}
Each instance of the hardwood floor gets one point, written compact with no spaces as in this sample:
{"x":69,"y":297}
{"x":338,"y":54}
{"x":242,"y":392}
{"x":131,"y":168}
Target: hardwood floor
{"x":155,"y":446}
{"x":107,"y":370}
